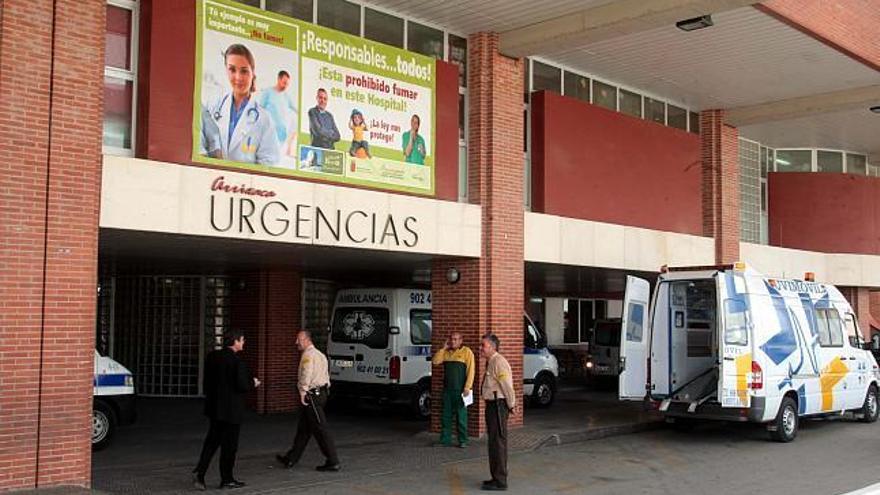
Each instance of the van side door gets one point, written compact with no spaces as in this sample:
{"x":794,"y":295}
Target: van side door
{"x":858,"y":361}
{"x":734,"y":341}
{"x":634,"y":340}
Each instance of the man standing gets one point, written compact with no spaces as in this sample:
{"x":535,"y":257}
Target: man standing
{"x":279,"y":103}
{"x":226,"y":381}
{"x":498,"y":392}
{"x":322,"y":127}
{"x":458,"y":380}
{"x":314,"y":388}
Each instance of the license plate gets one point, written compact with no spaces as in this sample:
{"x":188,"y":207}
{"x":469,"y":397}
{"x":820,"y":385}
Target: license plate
{"x":343,"y":363}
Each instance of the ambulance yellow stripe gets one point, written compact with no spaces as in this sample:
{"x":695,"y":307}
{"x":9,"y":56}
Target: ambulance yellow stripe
{"x":828,"y":379}
{"x":743,"y":368}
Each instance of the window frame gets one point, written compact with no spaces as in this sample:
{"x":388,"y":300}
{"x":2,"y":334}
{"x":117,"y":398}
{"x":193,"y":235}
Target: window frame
{"x":828,"y":312}
{"x":412,"y":312}
{"x":126,"y":75}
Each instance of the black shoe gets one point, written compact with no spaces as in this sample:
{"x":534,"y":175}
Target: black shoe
{"x":494,"y":486}
{"x":329,"y":467}
{"x":285,"y":461}
{"x":489,"y":482}
{"x":198,"y":482}
{"x":229,"y":485}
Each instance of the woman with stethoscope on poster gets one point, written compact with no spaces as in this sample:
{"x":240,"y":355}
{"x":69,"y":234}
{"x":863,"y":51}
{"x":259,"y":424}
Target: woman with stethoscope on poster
{"x":235,"y":127}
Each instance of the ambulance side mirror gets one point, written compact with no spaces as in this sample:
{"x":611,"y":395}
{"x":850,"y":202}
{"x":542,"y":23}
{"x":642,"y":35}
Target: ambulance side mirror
{"x":394,"y":330}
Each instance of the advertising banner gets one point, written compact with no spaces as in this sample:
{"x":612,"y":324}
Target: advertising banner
{"x":285,"y":96}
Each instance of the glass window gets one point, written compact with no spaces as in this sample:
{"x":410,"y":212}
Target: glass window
{"x":571,"y":322}
{"x":118,"y":94}
{"x":527,"y":85}
{"x":577,"y":86}
{"x":300,"y":9}
{"x":340,"y":15}
{"x":608,"y":333}
{"x":852,"y":332}
{"x":856,"y":164}
{"x":546,"y":77}
{"x":420,"y":326}
{"x":835,"y":328}
{"x":676,"y":117}
{"x":604,"y":95}
{"x":382,"y":27}
{"x":118,"y":38}
{"x":462,"y":173}
{"x":794,"y":160}
{"x":461,"y":117}
{"x":736,"y":323}
{"x":630,"y":103}
{"x":634,"y":321}
{"x":425,"y":40}
{"x":694,"y":122}
{"x":588,"y":320}
{"x":765,"y":161}
{"x":830,"y":328}
{"x":458,"y":56}
{"x":361,"y":325}
{"x":655,"y":111}
{"x":531,"y":337}
{"x":829,"y":161}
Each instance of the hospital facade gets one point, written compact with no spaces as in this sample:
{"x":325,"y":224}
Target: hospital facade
{"x":573,"y":143}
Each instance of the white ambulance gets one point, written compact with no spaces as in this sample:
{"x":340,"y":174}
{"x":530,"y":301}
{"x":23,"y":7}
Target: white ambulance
{"x":113,"y":400}
{"x":380,"y":347}
{"x":725,"y":342}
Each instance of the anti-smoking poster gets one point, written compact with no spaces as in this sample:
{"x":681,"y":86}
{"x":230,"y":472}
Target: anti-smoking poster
{"x":281,"y":95}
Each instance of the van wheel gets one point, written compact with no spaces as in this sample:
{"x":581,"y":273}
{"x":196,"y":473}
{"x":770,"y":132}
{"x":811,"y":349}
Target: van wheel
{"x":545,"y":391}
{"x":103,"y":425}
{"x":786,"y":422}
{"x":871,"y":408}
{"x":421,"y":402}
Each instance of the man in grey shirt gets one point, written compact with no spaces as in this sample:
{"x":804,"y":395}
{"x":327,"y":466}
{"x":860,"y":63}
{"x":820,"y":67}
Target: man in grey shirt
{"x":322,"y":127}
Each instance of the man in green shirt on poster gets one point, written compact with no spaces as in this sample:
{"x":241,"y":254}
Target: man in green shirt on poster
{"x":458,"y":382}
{"x":414,"y":143}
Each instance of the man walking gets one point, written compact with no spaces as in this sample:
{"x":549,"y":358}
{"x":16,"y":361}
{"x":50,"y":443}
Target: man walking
{"x":314,"y":388}
{"x":458,"y":380}
{"x":226,"y":381}
{"x":500,"y":397}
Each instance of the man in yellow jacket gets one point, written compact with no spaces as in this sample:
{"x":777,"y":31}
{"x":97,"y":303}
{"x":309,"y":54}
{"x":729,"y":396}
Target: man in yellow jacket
{"x":458,"y":380}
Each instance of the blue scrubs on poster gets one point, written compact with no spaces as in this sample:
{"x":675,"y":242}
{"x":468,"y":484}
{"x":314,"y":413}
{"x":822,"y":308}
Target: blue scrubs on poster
{"x":246,"y":135}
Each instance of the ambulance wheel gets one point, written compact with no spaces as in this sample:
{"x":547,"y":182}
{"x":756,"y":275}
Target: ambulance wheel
{"x":871,"y":408}
{"x":545,"y":391}
{"x":421,"y":401}
{"x":103,"y":425}
{"x":786,"y":422}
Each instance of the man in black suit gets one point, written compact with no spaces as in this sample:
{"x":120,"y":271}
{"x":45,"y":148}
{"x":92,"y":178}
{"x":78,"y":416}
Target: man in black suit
{"x":226,"y":381}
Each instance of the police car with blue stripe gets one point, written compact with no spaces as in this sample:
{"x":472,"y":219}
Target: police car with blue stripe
{"x":113,"y":403}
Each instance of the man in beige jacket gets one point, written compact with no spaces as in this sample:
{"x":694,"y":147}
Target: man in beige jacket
{"x":500,"y":397}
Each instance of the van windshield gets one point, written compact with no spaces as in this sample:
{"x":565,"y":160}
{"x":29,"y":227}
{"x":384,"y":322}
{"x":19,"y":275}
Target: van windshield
{"x":608,"y":334}
{"x":360,"y":325}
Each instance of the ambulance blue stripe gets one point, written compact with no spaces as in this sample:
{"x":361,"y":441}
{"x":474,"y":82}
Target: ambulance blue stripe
{"x":783,"y":343}
{"x":110,"y":380}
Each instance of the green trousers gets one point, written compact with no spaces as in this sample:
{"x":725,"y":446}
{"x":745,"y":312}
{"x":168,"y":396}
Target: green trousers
{"x":453,"y":412}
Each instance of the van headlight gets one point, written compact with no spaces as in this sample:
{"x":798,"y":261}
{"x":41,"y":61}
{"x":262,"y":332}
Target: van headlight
{"x":129,"y":381}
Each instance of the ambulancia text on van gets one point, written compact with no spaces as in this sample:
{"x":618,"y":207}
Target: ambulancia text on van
{"x":380,"y":347}
{"x":113,"y":400}
{"x":725,"y":342}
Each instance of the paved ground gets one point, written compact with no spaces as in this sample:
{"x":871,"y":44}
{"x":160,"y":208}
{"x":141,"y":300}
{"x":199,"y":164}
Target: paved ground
{"x":157,"y":454}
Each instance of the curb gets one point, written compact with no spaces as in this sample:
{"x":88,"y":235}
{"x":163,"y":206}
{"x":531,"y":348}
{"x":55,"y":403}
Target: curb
{"x":557,"y":439}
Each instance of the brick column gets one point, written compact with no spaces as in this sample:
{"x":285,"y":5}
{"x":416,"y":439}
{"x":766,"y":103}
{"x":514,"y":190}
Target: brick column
{"x":860,"y":300}
{"x":52,"y":56}
{"x":268,"y":308}
{"x":490,"y":294}
{"x":875,"y":304}
{"x":720,"y":151}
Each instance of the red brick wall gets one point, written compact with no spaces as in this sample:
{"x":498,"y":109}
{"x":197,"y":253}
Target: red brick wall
{"x":849,"y":26}
{"x":597,"y":164}
{"x":842,"y":214}
{"x":268,"y":308}
{"x":50,"y":124}
{"x":720,"y":150}
{"x":168,"y":97}
{"x":495,"y":181}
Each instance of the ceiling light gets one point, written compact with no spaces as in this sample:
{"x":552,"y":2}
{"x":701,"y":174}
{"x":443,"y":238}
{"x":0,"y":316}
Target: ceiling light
{"x":875,"y":109}
{"x":701,"y":22}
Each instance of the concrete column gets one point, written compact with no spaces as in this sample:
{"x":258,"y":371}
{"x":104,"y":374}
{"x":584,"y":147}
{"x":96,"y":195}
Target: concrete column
{"x":720,"y":152}
{"x":490,"y":295}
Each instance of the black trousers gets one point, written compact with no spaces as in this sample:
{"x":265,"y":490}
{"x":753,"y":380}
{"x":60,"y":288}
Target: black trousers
{"x":313,"y":422}
{"x":225,"y":436}
{"x":496,"y":426}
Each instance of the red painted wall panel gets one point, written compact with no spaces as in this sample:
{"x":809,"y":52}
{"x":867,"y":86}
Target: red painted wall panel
{"x":596,"y":164}
{"x":166,"y":109}
{"x":831,"y":213}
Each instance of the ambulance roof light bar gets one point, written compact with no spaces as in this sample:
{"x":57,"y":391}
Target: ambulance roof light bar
{"x":738,"y":266}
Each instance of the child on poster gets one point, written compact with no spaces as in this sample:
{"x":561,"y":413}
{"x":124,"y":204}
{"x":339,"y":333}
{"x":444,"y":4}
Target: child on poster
{"x":358,"y":128}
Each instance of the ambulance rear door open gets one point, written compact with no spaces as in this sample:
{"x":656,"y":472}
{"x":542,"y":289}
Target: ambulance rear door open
{"x":634,"y":340}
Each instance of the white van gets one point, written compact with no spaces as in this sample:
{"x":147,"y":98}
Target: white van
{"x":113,"y":400}
{"x":725,"y":342}
{"x":380,"y":347}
